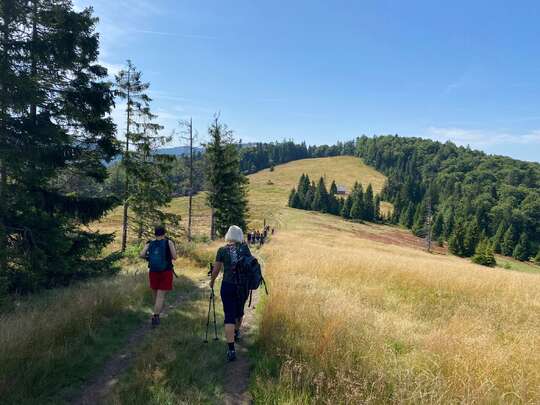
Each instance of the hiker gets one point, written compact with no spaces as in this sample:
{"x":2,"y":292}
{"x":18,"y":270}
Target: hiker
{"x":232,"y":295}
{"x":160,"y":254}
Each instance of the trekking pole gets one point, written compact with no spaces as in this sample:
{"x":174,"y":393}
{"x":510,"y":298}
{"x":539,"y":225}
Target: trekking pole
{"x":208,"y":319}
{"x":214,"y":306}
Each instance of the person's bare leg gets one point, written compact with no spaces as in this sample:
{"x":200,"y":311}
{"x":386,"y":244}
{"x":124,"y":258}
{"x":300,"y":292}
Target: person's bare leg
{"x":229,"y":332}
{"x":160,"y":298}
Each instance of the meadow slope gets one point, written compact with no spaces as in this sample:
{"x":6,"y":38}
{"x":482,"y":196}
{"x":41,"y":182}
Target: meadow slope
{"x":357,"y":317}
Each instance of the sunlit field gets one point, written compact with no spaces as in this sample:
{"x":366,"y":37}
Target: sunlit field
{"x":350,"y":320}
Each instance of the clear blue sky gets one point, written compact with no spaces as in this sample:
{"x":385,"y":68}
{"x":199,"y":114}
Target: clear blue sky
{"x":322,"y":71}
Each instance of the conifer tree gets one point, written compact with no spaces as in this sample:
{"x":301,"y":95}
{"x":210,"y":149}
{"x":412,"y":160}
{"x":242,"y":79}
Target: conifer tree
{"x":498,"y":238}
{"x":537,"y":258}
{"x":472,"y":236}
{"x":320,"y":200}
{"x":131,"y":88}
{"x":449,"y":224}
{"x":227,"y":194}
{"x":509,"y":241}
{"x":438,"y":225}
{"x":377,"y":208}
{"x":333,"y":188}
{"x":521,"y":251}
{"x":346,"y":208}
{"x":369,"y":206}
{"x":484,"y":254}
{"x":292,"y":195}
{"x":54,"y":120}
{"x":456,"y":244}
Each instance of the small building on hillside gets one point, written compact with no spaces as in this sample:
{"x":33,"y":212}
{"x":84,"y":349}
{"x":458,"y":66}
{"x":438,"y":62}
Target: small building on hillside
{"x":341,"y":189}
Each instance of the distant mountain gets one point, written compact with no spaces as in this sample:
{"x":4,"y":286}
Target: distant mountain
{"x":178,"y":150}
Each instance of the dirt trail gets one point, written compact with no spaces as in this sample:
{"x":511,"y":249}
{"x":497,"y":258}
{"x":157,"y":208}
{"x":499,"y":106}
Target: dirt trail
{"x":96,"y":390}
{"x":238,"y":372}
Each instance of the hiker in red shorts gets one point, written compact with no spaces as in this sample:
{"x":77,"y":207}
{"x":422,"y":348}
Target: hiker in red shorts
{"x":160,"y":254}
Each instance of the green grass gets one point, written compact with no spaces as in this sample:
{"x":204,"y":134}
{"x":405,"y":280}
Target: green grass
{"x":515,"y":265}
{"x":174,"y":365}
{"x":54,"y":341}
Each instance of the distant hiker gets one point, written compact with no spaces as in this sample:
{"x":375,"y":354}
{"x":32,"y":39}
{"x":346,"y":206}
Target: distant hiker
{"x":232,"y":295}
{"x":160,"y":254}
{"x":273,"y":229}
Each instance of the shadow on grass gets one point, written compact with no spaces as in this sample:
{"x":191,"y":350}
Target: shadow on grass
{"x":174,"y":365}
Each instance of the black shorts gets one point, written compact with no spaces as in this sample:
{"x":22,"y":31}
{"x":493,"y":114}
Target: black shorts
{"x":233,"y":300}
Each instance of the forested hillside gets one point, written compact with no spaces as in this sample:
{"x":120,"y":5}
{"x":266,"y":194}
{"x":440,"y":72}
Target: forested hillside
{"x":473,"y":195}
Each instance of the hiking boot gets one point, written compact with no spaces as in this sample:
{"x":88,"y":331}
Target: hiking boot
{"x":155,"y":321}
{"x":231,"y":355}
{"x":237,"y":336}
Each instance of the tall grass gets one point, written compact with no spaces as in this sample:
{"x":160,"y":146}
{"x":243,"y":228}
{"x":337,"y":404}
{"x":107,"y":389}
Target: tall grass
{"x":353,"y":321}
{"x":54,"y":340}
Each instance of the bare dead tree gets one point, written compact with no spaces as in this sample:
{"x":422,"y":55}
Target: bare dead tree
{"x":189,"y":137}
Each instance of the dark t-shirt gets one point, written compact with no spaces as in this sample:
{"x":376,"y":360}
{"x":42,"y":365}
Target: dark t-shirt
{"x":229,"y":255}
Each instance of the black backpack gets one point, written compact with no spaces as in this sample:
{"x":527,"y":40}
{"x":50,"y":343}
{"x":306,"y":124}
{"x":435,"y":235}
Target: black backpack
{"x":249,"y":275}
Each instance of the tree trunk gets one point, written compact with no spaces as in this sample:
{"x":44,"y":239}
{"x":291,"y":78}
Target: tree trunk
{"x":212,"y":225}
{"x":126,"y":182}
{"x":190,"y":177}
{"x":3,"y":209}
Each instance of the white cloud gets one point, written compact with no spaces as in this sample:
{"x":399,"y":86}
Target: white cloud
{"x":482,"y":138}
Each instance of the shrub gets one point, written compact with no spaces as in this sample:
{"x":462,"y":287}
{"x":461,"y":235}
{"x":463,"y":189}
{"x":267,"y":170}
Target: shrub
{"x":484,"y":254}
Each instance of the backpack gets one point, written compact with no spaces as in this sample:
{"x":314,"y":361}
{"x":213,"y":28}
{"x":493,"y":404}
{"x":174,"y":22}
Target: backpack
{"x":157,"y":255}
{"x":249,"y":274}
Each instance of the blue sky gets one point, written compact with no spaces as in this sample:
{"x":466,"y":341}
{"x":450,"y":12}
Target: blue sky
{"x":321,"y":71}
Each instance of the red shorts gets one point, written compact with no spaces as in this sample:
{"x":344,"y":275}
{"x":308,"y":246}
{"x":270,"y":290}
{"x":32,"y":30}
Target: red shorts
{"x":161,"y":280}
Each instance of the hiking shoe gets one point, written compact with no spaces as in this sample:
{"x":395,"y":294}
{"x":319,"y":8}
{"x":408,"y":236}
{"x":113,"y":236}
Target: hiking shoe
{"x":231,"y":355}
{"x":155,"y":321}
{"x":237,"y":336}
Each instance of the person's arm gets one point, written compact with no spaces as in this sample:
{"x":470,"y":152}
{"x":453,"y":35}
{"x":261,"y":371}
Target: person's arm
{"x":215,"y":272}
{"x":144,"y":251}
{"x":172,"y":248}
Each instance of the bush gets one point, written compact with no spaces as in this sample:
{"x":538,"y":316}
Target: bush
{"x":484,"y":254}
{"x":537,"y":258}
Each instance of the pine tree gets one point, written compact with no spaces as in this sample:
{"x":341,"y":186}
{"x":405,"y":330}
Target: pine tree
{"x":449,"y":225}
{"x":346,"y":208}
{"x":537,"y":258}
{"x":484,"y":254}
{"x":472,"y":236}
{"x":498,"y":238}
{"x":369,"y":206}
{"x":292,"y":196}
{"x":509,"y":241}
{"x":438,"y":225}
{"x":456,"y":244}
{"x":132,"y":89}
{"x":521,"y":251}
{"x":320,"y":200}
{"x":407,"y":216}
{"x":227,"y":186}
{"x":333,"y":188}
{"x":377,"y":208}
{"x":357,"y":207}
{"x":54,"y":124}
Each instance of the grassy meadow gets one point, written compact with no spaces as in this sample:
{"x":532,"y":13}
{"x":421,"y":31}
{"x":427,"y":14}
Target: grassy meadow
{"x":357,"y":313}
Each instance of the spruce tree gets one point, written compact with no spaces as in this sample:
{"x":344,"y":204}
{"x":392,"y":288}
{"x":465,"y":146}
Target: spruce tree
{"x":521,"y":251}
{"x":498,"y":238}
{"x":369,"y":206}
{"x":131,"y":88}
{"x":54,"y":124}
{"x":377,"y":208}
{"x":346,"y":208}
{"x":484,"y":254}
{"x":320,"y":200}
{"x":472,"y":236}
{"x":292,"y":195}
{"x":449,"y":224}
{"x":456,"y":244}
{"x":227,"y":186}
{"x":509,"y":241}
{"x":438,"y":225}
{"x":537,"y":258}
{"x":333,"y":188}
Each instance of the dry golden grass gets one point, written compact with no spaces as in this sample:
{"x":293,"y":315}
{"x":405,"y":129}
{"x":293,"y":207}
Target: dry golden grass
{"x":355,"y":321}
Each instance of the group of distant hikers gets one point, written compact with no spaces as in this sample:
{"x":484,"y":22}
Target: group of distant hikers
{"x":241,"y":275}
{"x":259,"y":237}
